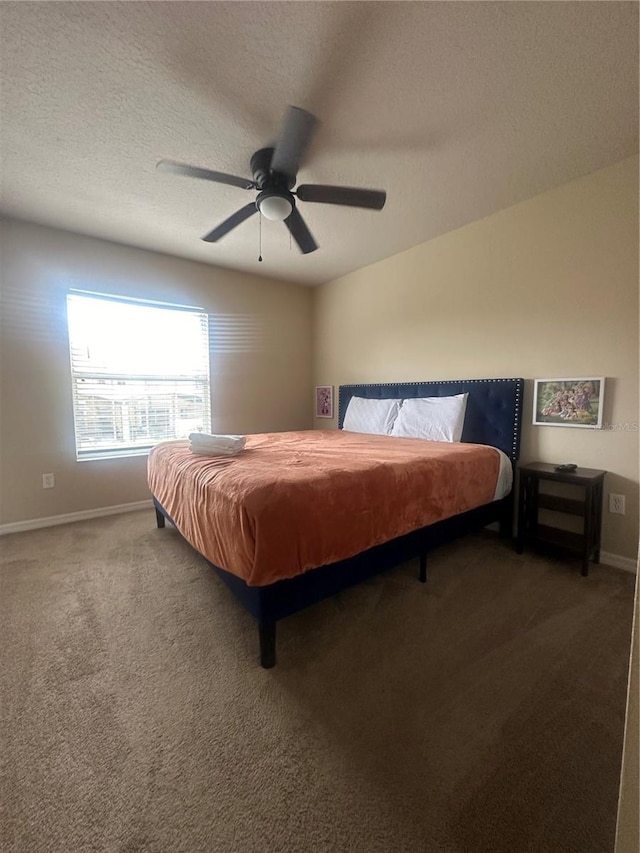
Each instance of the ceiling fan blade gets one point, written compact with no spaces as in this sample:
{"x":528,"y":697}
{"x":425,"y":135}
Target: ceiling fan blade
{"x":349,"y":196}
{"x":297,"y":130}
{"x":300,"y":233}
{"x":229,"y":224}
{"x":205,"y":174}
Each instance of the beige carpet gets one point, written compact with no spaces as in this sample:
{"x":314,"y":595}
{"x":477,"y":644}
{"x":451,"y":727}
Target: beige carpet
{"x":481,"y":713}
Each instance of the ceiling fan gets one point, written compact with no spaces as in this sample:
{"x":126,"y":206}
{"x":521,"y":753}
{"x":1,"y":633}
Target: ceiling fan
{"x":274,"y":173}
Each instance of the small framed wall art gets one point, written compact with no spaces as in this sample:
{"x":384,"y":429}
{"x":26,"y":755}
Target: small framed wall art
{"x":568,"y":402}
{"x":324,"y":401}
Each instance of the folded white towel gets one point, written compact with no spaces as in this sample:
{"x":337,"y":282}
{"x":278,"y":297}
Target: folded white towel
{"x":216,"y":445}
{"x":205,"y":444}
{"x":217,"y":442}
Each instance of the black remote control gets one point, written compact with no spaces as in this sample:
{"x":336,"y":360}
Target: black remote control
{"x":567,"y":466}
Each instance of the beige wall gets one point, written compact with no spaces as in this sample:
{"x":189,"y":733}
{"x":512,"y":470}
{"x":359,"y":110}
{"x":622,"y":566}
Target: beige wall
{"x":546,"y":288}
{"x":261,"y":363}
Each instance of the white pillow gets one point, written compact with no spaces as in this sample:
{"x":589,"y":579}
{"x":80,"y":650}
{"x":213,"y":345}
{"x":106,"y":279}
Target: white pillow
{"x":371,"y":416}
{"x":435,"y":418}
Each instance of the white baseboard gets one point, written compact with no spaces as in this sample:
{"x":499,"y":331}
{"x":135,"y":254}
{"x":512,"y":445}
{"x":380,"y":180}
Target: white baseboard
{"x":83,"y":515}
{"x":619,"y":562}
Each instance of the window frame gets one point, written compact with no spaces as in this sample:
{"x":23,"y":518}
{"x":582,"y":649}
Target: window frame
{"x":196,"y":383}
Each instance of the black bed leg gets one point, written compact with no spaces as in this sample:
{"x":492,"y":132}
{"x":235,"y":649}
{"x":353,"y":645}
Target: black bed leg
{"x":159,"y":518}
{"x":506,"y":517}
{"x":267,"y":632}
{"x":422,"y":574}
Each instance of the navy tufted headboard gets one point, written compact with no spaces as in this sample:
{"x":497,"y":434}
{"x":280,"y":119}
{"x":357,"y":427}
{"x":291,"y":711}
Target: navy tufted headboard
{"x":494,"y":406}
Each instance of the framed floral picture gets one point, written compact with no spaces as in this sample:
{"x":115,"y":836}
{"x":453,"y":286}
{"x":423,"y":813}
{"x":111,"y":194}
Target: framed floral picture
{"x":568,"y":402}
{"x":324,"y":401}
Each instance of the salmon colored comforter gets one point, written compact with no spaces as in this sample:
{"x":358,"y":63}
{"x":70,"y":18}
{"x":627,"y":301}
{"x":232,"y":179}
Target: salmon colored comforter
{"x":293,"y":501}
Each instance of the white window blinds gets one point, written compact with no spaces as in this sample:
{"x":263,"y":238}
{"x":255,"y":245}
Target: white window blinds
{"x":140,"y":373}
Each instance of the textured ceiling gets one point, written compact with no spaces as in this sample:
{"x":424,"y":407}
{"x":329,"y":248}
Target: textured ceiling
{"x":457,"y":109}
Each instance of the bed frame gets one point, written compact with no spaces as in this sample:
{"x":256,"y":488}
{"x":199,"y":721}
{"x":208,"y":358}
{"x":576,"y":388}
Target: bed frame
{"x":493,"y":416}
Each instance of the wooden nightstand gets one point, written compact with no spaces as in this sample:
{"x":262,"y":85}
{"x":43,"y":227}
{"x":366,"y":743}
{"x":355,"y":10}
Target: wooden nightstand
{"x":588,"y":507}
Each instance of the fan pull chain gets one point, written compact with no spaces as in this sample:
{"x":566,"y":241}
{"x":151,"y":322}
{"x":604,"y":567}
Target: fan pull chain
{"x":260,"y":238}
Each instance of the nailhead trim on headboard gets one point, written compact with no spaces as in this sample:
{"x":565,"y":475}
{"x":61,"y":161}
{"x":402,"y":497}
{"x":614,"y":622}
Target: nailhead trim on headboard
{"x":504,"y":419}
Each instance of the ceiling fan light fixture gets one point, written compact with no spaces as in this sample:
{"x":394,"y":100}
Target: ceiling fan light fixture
{"x":274,"y":207}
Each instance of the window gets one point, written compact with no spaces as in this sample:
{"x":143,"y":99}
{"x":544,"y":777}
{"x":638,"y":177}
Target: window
{"x":140,"y":373}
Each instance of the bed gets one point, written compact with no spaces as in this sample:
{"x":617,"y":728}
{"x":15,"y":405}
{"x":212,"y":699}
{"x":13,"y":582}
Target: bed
{"x":299,"y":516}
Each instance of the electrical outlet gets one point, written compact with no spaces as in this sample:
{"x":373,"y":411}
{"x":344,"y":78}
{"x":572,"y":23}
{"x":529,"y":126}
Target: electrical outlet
{"x":48,"y":481}
{"x":616,"y":504}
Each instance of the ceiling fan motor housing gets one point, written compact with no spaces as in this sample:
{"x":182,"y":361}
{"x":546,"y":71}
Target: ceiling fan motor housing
{"x":264,"y":177}
{"x":274,"y":187}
